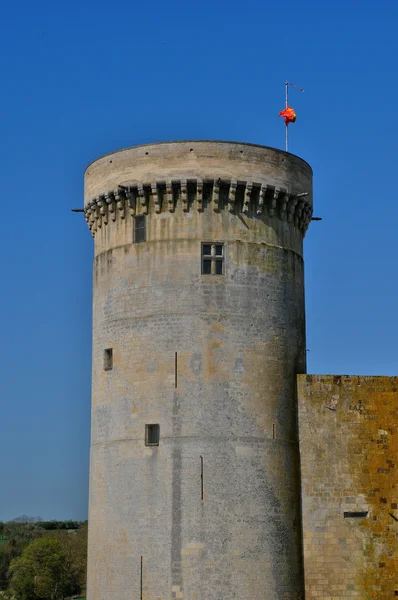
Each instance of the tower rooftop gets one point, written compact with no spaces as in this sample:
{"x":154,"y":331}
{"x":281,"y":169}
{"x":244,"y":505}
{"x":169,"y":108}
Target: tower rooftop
{"x":149,"y":144}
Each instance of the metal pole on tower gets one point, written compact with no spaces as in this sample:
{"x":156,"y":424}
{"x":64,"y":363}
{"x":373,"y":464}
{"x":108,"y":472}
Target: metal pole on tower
{"x":287,"y":83}
{"x":287,"y":125}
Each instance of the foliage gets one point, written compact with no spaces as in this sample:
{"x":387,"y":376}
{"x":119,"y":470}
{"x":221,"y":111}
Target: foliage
{"x":15,"y":537}
{"x":10,"y":550}
{"x":6,"y":595}
{"x":21,"y":531}
{"x":54,"y":525}
{"x":7,"y":553}
{"x":25,"y":554}
{"x":39,"y":571}
{"x":75,"y":548}
{"x":51,"y":567}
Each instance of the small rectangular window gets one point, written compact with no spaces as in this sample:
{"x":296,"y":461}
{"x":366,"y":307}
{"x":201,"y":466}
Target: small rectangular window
{"x":213,"y":259}
{"x":139,"y":229}
{"x":108,"y":359}
{"x":152,"y":434}
{"x":355,"y":515}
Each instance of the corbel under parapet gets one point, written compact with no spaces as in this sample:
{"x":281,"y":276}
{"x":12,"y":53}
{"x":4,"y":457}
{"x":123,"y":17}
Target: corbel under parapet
{"x":232,"y":195}
{"x":120,"y":203}
{"x":199,"y":194}
{"x":215,"y":194}
{"x":291,"y":207}
{"x":184,"y":195}
{"x":156,"y":199}
{"x":247,"y":197}
{"x":103,"y":208}
{"x":169,"y":196}
{"x":131,"y":201}
{"x":97,"y":216}
{"x":142,"y":199}
{"x":110,"y":200}
{"x":298,"y":213}
{"x":283,"y":198}
{"x":261,"y":194}
{"x":274,"y":200}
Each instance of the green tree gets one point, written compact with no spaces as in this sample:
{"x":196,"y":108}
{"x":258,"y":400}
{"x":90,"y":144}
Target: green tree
{"x":21,"y":531}
{"x":16,"y":535}
{"x":40,"y":572}
{"x":74,"y":544}
{"x":11,"y":550}
{"x":51,"y":567}
{"x":54,"y":525}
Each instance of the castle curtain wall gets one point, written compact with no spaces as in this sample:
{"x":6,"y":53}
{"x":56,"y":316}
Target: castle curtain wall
{"x":348,"y":453}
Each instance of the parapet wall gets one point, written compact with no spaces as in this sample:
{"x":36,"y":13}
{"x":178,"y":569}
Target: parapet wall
{"x":349,"y":450}
{"x":157,"y":178}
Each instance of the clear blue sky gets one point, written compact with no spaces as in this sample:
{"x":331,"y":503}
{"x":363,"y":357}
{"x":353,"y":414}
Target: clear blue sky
{"x":80,"y":79}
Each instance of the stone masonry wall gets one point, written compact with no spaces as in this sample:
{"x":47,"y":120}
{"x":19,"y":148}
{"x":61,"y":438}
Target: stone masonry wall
{"x":349,"y":451}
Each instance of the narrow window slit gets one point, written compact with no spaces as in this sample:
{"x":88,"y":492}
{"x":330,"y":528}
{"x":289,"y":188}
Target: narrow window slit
{"x":273,"y":431}
{"x":141,"y":578}
{"x":201,"y":478}
{"x":356,"y":515}
{"x":175,"y":370}
{"x":139,"y":229}
{"x":108,"y":359}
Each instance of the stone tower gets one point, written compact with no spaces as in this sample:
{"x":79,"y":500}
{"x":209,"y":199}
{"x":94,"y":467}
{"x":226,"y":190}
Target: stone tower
{"x":198,"y":335}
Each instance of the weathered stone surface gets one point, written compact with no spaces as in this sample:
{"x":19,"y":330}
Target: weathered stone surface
{"x":212,"y":513}
{"x":349,"y":451}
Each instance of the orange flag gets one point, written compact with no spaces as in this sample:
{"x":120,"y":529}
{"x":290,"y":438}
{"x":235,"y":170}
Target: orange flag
{"x":289,"y":115}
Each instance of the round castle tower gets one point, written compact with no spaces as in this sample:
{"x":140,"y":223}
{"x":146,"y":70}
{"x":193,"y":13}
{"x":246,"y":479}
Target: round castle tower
{"x":198,"y":334}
